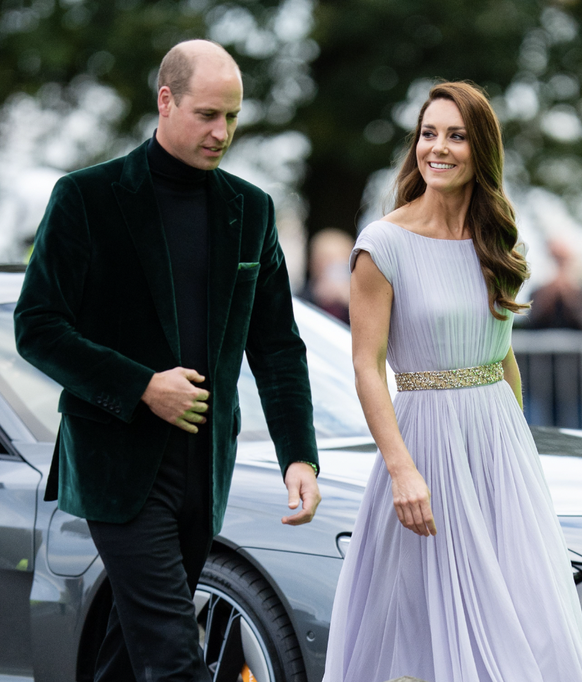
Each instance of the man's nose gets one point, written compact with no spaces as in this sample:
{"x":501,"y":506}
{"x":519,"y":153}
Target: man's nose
{"x":220,"y":130}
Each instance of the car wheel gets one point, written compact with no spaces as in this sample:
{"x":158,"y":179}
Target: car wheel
{"x":244,"y":629}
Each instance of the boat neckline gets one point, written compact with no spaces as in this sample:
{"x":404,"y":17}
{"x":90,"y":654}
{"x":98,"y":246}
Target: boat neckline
{"x":422,"y":236}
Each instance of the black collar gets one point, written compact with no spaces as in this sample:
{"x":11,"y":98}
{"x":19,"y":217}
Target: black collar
{"x":163,"y":164}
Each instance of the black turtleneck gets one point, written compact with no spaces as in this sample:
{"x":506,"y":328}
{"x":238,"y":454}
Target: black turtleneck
{"x":181,"y":195}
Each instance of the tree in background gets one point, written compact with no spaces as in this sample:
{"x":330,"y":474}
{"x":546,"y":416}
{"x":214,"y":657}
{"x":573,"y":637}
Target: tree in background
{"x":77,"y":86}
{"x":376,"y":62}
{"x":347,"y":74}
{"x":57,"y":49}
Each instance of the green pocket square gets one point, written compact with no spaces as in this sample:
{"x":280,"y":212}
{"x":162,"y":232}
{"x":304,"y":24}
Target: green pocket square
{"x":247,"y":266}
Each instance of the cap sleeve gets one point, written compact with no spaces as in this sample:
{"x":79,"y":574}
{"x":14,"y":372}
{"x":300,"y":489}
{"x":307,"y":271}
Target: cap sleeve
{"x":375,"y":239}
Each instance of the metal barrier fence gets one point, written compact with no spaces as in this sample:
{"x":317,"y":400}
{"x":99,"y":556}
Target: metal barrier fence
{"x":550,"y":362}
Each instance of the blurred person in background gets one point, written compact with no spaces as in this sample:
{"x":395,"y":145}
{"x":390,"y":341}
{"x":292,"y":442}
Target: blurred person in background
{"x":558,"y":304}
{"x":150,"y":276}
{"x":328,"y":285}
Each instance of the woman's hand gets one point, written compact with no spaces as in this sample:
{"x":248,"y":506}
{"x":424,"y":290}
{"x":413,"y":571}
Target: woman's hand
{"x":412,"y":503}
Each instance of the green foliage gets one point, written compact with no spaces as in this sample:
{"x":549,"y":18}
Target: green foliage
{"x":371,"y":53}
{"x":118,"y":43}
{"x":370,"y":61}
{"x":542,"y":108}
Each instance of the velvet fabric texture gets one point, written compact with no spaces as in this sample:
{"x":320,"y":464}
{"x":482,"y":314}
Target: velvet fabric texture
{"x":97,"y":314}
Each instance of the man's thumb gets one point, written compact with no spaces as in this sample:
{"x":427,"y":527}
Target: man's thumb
{"x":293,"y":498}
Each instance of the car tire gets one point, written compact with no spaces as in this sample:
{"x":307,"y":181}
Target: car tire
{"x":244,"y":626}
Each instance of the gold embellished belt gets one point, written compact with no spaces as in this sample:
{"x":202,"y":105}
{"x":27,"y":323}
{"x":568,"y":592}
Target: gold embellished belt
{"x":450,"y":378}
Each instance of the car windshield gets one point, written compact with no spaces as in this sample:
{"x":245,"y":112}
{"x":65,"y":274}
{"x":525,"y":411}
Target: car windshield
{"x":337,"y":410}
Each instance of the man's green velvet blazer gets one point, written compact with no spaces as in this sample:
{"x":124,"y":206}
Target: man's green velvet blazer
{"x":97,"y":314}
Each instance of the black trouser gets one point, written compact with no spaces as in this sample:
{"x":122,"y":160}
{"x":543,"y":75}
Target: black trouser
{"x":153,"y":563}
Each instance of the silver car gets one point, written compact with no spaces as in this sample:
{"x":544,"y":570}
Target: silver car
{"x":264,"y":600}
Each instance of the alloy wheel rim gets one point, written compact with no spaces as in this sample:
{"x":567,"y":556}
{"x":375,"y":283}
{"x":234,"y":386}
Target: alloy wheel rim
{"x":229,"y":637}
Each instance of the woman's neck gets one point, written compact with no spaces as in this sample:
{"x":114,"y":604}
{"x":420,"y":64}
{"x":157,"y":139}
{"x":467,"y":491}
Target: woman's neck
{"x":439,"y":215}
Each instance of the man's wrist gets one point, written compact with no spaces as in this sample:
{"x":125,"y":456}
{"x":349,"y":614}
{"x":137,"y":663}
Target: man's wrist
{"x":311,"y":464}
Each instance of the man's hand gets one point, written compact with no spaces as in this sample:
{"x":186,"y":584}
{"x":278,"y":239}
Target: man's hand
{"x":171,"y":396}
{"x":301,"y":485}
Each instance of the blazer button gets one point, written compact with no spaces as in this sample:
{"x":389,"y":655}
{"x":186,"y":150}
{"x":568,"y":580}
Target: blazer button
{"x":117,"y":410}
{"x":99,"y":401}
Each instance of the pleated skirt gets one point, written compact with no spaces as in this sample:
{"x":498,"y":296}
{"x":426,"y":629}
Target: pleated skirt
{"x":491,"y":597}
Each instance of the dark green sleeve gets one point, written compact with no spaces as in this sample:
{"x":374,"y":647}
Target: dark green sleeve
{"x":47,"y":311}
{"x":278,"y":360}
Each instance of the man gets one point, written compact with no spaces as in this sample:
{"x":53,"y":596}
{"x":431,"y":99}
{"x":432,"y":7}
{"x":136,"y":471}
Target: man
{"x":151,"y":274}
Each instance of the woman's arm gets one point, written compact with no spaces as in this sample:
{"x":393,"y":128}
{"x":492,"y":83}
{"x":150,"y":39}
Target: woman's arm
{"x":370,"y":307}
{"x":512,"y":376}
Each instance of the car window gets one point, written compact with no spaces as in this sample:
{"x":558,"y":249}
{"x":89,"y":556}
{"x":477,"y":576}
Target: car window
{"x":32,"y":395}
{"x":337,"y":411}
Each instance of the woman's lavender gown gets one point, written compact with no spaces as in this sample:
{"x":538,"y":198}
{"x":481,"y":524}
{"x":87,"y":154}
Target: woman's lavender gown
{"x":491,"y":597}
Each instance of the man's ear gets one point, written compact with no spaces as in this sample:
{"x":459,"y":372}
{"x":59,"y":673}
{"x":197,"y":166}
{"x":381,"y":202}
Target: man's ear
{"x":165,"y":101}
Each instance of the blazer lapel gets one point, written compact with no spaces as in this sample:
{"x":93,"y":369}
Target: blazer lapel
{"x":225,"y":210}
{"x":136,"y":199}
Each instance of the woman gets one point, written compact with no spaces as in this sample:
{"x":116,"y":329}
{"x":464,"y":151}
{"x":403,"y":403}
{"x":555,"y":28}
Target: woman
{"x":490,"y":596}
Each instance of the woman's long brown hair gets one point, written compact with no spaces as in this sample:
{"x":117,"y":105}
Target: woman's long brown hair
{"x":490,"y":218}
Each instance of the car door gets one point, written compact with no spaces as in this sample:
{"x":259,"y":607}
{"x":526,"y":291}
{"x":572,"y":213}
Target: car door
{"x":18,"y":494}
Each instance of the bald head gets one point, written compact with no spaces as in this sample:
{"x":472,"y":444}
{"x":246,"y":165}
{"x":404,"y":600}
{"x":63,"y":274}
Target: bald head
{"x":179,"y":64}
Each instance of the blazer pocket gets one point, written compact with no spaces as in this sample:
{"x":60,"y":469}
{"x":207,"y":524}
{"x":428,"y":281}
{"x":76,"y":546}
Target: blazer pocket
{"x":76,"y":407}
{"x":247,"y":271}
